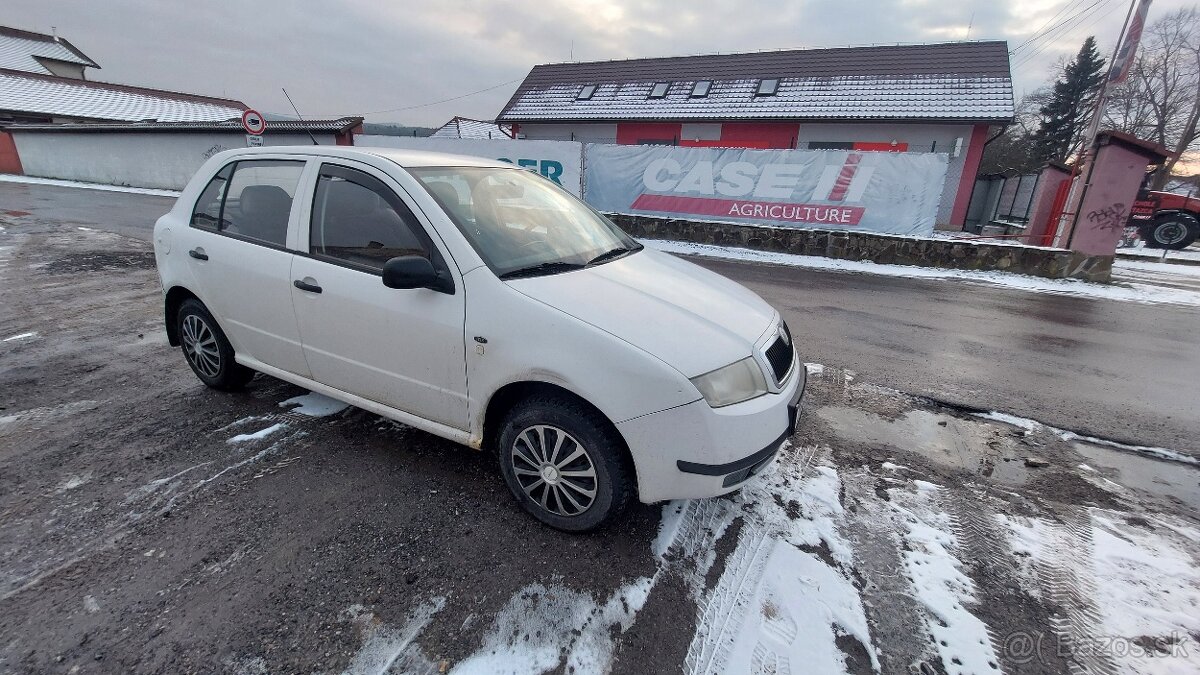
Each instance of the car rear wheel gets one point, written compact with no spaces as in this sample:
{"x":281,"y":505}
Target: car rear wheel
{"x":1172,"y":231}
{"x":564,"y":464}
{"x":207,"y":350}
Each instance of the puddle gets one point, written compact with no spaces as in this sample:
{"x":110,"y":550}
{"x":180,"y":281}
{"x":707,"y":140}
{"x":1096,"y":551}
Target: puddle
{"x":950,"y":441}
{"x":1155,"y":478}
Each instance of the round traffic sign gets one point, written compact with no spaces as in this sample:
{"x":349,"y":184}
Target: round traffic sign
{"x":253,"y":122}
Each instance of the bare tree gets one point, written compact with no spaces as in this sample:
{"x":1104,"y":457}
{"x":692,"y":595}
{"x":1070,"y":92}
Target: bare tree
{"x":1161,"y":99}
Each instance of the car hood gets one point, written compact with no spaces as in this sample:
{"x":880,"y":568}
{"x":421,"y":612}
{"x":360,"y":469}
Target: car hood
{"x":693,"y":319}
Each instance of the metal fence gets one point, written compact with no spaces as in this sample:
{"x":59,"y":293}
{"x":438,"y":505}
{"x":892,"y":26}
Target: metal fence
{"x":1002,"y":200}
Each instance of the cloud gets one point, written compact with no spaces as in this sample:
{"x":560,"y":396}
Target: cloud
{"x":356,"y":56}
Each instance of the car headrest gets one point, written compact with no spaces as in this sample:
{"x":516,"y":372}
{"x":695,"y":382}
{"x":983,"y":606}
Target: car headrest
{"x":265,"y":202}
{"x":445,"y":193}
{"x":344,"y":198}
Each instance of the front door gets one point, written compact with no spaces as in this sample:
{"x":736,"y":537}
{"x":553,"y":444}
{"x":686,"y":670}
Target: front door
{"x":402,"y":348}
{"x":239,"y":261}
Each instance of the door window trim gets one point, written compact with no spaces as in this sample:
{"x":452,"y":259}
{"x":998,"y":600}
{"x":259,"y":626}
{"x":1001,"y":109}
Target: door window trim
{"x":438,"y":257}
{"x":300,"y":187}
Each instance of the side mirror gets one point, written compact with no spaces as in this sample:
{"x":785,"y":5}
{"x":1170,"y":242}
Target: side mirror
{"x":413,"y":271}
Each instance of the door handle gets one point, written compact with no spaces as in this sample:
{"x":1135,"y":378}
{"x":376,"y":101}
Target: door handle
{"x":305,"y":286}
{"x":198,"y":254}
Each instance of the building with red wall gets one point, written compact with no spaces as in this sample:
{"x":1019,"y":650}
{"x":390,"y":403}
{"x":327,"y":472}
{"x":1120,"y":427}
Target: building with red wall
{"x":918,"y":98}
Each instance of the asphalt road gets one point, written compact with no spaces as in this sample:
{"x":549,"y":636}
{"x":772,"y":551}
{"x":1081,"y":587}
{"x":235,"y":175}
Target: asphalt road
{"x":1116,"y":370}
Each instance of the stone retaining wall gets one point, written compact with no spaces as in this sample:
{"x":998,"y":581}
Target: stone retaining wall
{"x":880,"y":248}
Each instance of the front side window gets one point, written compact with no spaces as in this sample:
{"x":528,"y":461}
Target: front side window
{"x":522,"y":224}
{"x":356,"y":219}
{"x":258,"y":201}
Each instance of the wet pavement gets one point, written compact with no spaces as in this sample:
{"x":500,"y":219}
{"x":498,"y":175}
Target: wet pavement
{"x":148,"y":524}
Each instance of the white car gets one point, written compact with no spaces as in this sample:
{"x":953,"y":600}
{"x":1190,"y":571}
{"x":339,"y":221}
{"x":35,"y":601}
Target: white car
{"x":484,"y":304}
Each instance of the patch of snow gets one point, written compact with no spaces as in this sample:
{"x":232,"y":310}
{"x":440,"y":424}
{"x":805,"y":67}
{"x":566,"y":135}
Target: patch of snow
{"x":257,"y":435}
{"x":90,"y":605}
{"x":1033,"y":425}
{"x":239,"y":422}
{"x":385,"y":647}
{"x":814,"y":368}
{"x":20,"y":336}
{"x":1146,"y":586}
{"x":892,"y":467}
{"x":926,"y":486}
{"x":546,"y":628}
{"x":32,"y":180}
{"x":1156,"y":268}
{"x":73,"y":482}
{"x":315,"y":405}
{"x":942,"y":587}
{"x":1133,"y":292}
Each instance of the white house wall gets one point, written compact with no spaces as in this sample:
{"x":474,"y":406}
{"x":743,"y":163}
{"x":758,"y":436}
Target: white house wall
{"x":137,"y":159}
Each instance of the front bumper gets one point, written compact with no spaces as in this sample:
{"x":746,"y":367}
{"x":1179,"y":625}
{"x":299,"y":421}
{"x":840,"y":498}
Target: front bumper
{"x":695,"y":451}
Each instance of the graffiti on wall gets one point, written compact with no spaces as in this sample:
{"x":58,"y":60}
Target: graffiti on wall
{"x":1111,"y":217}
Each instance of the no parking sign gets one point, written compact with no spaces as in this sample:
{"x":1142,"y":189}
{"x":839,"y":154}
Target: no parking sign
{"x":254,"y":124}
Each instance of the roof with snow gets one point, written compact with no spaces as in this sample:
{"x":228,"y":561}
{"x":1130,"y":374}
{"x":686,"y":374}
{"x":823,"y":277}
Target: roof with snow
{"x":955,"y":81}
{"x":465,"y":127}
{"x":339,"y":125}
{"x":30,"y":94}
{"x":25,"y":50}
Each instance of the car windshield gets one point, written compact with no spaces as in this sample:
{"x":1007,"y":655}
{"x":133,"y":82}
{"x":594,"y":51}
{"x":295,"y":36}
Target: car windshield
{"x":522,"y":224}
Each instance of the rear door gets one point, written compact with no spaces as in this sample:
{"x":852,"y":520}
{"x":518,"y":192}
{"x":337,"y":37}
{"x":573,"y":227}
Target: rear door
{"x":402,"y":348}
{"x":238,"y":257}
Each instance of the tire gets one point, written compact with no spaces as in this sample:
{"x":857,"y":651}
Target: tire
{"x":531,"y":459}
{"x":207,"y":350}
{"x":1171,"y":231}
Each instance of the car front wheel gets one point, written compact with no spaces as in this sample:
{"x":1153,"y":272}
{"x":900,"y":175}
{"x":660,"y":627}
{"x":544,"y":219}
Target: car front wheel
{"x":564,"y":464}
{"x":207,"y":350}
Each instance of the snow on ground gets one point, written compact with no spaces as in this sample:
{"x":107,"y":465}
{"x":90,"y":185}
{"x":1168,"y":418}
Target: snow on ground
{"x":315,"y":405}
{"x":20,"y":336}
{"x":386,"y":648}
{"x":1032,"y":425}
{"x":542,"y":625}
{"x":257,"y":435}
{"x":1128,"y":292}
{"x":1189,"y":253}
{"x":1143,"y":610}
{"x":31,"y":180}
{"x":940,"y":584}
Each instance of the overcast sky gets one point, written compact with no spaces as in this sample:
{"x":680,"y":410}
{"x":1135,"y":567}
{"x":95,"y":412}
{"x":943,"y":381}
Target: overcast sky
{"x":387,"y":60}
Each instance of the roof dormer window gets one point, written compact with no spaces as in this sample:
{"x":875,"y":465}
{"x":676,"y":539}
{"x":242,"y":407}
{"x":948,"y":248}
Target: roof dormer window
{"x":700,"y":89}
{"x":586,"y":92}
{"x":767,"y":86}
{"x":659,"y":90}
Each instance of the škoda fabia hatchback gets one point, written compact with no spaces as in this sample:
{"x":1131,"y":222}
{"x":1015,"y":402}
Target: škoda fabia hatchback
{"x":484,"y":304}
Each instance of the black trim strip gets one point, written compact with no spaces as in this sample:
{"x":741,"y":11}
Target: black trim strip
{"x":738,"y":465}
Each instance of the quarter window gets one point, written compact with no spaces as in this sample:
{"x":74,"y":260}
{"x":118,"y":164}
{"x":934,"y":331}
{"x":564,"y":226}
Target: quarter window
{"x":207,"y":212}
{"x":357,"y":219}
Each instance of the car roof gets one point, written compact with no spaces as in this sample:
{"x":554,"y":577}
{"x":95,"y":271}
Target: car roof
{"x":405,"y":158}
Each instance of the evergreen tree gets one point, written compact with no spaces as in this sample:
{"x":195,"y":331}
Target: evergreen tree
{"x":1067,"y":114}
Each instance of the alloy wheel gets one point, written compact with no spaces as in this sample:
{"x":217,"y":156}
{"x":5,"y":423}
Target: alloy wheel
{"x":554,"y":470}
{"x":200,"y":346}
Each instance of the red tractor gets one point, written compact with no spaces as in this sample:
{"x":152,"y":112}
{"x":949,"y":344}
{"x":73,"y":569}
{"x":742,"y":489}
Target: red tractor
{"x":1165,"y":219}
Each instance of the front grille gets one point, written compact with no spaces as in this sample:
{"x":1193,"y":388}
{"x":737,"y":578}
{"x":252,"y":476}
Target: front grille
{"x":780,"y":353}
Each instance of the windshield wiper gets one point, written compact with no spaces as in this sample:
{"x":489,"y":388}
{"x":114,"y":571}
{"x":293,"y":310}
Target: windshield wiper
{"x":540,"y":269}
{"x":609,"y":255}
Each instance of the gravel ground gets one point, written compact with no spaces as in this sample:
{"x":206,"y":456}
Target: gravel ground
{"x":148,"y":524}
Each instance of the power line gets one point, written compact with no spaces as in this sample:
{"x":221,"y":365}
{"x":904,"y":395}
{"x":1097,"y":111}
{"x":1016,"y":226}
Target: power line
{"x":1063,"y":28}
{"x":445,"y":100}
{"x":1038,"y":32}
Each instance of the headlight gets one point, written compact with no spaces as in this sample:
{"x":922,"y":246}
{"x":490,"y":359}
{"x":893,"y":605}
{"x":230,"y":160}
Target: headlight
{"x":734,"y":383}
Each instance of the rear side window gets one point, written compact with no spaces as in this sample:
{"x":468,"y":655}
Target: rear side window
{"x":207,"y":212}
{"x":258,"y":200}
{"x":357,"y":219}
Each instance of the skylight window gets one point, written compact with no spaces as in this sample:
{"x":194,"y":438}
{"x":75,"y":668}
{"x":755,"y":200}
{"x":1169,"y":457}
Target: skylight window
{"x":767,"y":86}
{"x":659,"y":90}
{"x":586,"y":92}
{"x":700,"y":89}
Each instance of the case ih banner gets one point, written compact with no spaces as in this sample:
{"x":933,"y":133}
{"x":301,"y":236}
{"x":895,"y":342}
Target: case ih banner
{"x":877,"y":191}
